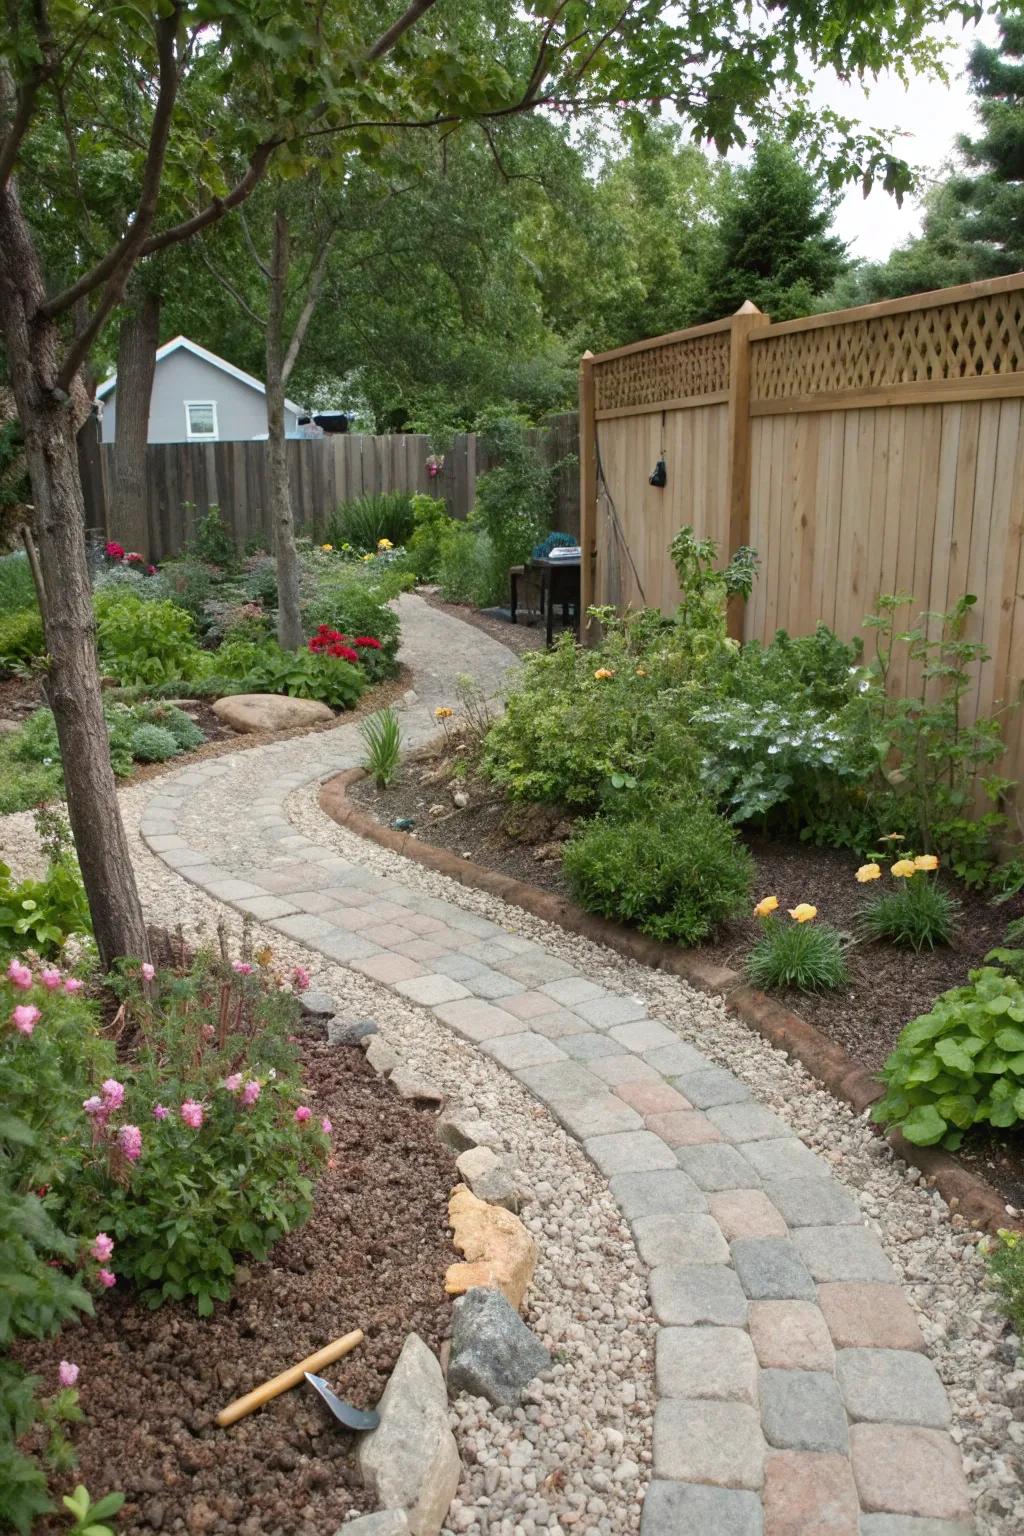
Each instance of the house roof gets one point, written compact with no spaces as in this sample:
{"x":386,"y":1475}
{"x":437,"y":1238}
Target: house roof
{"x":168,"y":347}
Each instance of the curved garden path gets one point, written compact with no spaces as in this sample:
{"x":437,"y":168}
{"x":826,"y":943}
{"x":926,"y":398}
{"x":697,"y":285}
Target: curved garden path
{"x":795,"y":1396}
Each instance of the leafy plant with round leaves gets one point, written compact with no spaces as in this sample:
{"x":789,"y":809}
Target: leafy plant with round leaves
{"x":960,"y":1065}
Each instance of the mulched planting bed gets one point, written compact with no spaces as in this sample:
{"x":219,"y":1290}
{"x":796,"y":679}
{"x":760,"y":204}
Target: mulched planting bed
{"x":888,"y":986}
{"x":528,"y":634}
{"x":373,"y":1256}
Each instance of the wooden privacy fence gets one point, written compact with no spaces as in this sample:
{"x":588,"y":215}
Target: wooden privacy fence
{"x":862,"y":452}
{"x":183,"y":480}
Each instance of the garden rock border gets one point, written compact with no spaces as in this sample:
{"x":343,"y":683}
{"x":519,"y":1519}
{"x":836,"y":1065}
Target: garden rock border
{"x":831,"y":1064}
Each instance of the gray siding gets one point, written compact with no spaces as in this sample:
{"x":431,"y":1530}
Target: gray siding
{"x":241,"y":410}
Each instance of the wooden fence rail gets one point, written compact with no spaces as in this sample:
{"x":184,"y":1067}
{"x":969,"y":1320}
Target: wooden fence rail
{"x":863,"y":452}
{"x":185,"y":479}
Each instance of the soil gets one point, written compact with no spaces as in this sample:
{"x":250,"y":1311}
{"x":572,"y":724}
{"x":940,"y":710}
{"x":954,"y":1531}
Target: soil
{"x":373,"y":1256}
{"x":887,"y":987}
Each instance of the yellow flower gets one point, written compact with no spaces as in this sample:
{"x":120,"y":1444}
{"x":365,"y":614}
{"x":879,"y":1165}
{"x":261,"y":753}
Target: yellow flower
{"x":867,"y":872}
{"x":768,"y":905}
{"x":804,"y":913}
{"x":903,"y":869}
{"x":926,"y":861}
{"x":603,"y":673}
{"x":367,"y":557}
{"x":384,"y":544}
{"x":442,"y":712}
{"x":641,"y":671}
{"x":891,"y":837}
{"x":326,"y":548}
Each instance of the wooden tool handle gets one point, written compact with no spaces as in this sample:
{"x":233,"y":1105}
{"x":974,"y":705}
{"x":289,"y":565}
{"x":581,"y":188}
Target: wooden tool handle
{"x":289,"y":1378}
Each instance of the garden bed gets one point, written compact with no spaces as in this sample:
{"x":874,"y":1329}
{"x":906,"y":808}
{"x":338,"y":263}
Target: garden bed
{"x":887,"y":987}
{"x":152,"y":1382}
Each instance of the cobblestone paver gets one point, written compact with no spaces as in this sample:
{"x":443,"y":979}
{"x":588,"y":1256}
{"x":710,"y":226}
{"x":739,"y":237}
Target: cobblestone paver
{"x":795,"y":1398}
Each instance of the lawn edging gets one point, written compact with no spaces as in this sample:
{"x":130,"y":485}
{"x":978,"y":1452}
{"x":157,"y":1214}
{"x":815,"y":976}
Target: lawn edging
{"x":963,"y":1191}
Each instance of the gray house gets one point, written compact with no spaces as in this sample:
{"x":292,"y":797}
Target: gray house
{"x":198,"y":398}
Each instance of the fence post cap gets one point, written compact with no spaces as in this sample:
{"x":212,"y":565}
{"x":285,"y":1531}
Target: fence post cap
{"x":748,"y":308}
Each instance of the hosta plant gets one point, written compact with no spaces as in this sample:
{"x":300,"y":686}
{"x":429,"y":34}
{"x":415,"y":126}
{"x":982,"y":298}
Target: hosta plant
{"x":960,"y":1065}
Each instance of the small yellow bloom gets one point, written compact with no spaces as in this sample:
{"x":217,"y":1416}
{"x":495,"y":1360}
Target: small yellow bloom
{"x":384,"y":544}
{"x":767,"y":906}
{"x":442,"y":712}
{"x":603,"y":674}
{"x":367,"y":557}
{"x":804,"y":913}
{"x":926,"y":861}
{"x":868,"y":872}
{"x":891,"y":837}
{"x":326,"y":548}
{"x":903,"y":869}
{"x":641,"y":671}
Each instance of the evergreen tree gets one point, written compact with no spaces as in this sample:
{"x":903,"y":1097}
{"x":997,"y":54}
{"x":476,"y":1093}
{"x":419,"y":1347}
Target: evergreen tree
{"x":774,"y":245}
{"x":992,"y":200}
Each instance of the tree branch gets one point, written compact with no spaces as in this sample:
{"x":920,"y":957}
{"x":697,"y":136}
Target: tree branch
{"x":230,"y":288}
{"x":251,"y":243}
{"x":21,"y":101}
{"x":388,"y":39}
{"x":254,"y":174}
{"x":306,"y":313}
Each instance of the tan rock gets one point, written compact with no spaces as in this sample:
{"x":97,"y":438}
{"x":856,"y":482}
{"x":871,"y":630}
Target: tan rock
{"x":500,"y":1253}
{"x":248,"y":712}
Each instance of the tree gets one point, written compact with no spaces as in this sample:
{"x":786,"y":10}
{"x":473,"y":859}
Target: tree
{"x":295,"y":77}
{"x":992,"y":200}
{"x":773,"y":245}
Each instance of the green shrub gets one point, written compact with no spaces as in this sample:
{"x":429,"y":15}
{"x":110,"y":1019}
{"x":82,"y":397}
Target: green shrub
{"x":43,"y":914}
{"x":153,"y":744}
{"x":676,"y":872}
{"x":212,"y":542}
{"x":514,"y":502}
{"x":17,"y":589}
{"x":820,"y":670}
{"x":226,"y":1171}
{"x":465,"y":567}
{"x":431,"y":526}
{"x":191,"y":585}
{"x":23,"y":785}
{"x":143,"y":642}
{"x":916,"y":914}
{"x":181,"y":726}
{"x":128,"y":578}
{"x":799,"y":953}
{"x":960,"y":1065}
{"x":267,"y":668}
{"x":1005,"y":1257}
{"x":21,"y":639}
{"x":383,"y":737}
{"x":362,"y":523}
{"x":356,"y":600}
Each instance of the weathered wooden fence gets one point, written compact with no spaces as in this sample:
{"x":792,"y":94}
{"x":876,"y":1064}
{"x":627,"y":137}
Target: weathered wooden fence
{"x":185,"y":479}
{"x":862,"y":452}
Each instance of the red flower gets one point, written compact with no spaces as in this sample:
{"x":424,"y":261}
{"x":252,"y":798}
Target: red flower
{"x":133,"y":558}
{"x":343,"y":652}
{"x":114,"y":551}
{"x":150,"y":570}
{"x":367,"y":640}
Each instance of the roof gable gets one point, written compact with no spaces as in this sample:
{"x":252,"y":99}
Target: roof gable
{"x":179,"y":342}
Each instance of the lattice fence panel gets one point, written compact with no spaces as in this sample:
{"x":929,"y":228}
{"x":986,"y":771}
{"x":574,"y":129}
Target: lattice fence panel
{"x":973,"y":339}
{"x":679,"y":370}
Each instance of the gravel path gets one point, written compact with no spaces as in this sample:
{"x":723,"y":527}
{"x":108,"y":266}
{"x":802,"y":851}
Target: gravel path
{"x":801,"y":1278}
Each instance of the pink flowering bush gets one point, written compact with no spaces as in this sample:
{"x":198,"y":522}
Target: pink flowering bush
{"x":195,"y":1151}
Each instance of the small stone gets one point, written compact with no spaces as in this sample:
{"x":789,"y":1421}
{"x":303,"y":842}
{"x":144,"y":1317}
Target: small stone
{"x":410,"y":1461}
{"x":412,"y":1086}
{"x":790,"y":1336}
{"x":488,"y":1177}
{"x":316,"y":1004}
{"x":493,"y":1355}
{"x":891,"y":1386}
{"x":349,"y":1032}
{"x":699,"y":1440}
{"x":802,"y":1411}
{"x":387,"y":1522}
{"x":714,"y":1363}
{"x":498,"y":1249}
{"x":809,"y":1492}
{"x":901,"y":1470}
{"x":770,"y":1269}
{"x":461,"y":1131}
{"x":682,"y":1509}
{"x":381,"y":1057}
{"x":409,"y":698}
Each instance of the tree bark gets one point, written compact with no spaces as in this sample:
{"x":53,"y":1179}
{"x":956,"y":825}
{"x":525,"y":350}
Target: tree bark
{"x":50,"y":420}
{"x":136,"y":361}
{"x":289,"y":617}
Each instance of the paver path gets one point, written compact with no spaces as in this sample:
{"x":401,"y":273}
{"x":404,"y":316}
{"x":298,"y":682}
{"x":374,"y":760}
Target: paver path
{"x":794,"y":1394}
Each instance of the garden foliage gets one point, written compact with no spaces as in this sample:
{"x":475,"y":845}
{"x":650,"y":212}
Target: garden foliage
{"x":795,"y":950}
{"x":362,"y":523}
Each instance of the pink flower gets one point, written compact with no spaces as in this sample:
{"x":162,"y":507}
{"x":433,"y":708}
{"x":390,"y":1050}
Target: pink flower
{"x":113,"y":1093}
{"x":233,"y":1083}
{"x":241,"y":967}
{"x":300,"y":979}
{"x":192,"y":1113}
{"x":106,"y":1279}
{"x":73,"y":984}
{"x":129,"y":1139}
{"x":160,"y":1112}
{"x":113,"y":550}
{"x":20,"y":975}
{"x":25,"y":1017}
{"x":95,"y":1106}
{"x":148,"y":971}
{"x":208,"y":1032}
{"x":50,"y":978}
{"x":326,"y":1126}
{"x":302,"y":1113}
{"x":102,"y":1248}
{"x":67,"y":1373}
{"x":250,"y":1093}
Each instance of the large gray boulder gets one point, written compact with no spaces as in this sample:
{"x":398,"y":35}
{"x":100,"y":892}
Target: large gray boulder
{"x":248,"y":712}
{"x":410,"y":1461}
{"x":494,"y":1355}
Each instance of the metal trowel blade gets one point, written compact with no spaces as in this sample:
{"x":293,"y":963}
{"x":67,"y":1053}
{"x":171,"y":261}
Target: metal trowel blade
{"x":352,"y":1418}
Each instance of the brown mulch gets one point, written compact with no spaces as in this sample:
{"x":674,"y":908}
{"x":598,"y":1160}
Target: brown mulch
{"x":527,"y":634}
{"x":373,"y":1256}
{"x":888,"y":986}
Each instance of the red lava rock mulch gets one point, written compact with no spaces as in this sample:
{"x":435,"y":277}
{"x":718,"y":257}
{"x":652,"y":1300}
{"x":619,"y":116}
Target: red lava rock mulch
{"x":373,"y":1256}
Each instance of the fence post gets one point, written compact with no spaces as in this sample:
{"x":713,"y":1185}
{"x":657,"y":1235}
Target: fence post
{"x":746,"y":319}
{"x":588,"y":496}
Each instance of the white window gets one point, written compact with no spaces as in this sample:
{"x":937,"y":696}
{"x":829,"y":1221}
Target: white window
{"x":201,"y":419}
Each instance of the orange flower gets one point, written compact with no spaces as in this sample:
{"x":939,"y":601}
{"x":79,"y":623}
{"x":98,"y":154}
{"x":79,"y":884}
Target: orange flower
{"x":641,"y":671}
{"x":904,"y":869}
{"x":766,"y":907}
{"x":891,"y":837}
{"x":926,"y":861}
{"x":867,"y":872}
{"x":603,"y":674}
{"x":804,"y":913}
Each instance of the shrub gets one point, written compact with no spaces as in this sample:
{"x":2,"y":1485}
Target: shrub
{"x":917,"y":914}
{"x":181,"y":726}
{"x":143,"y":642}
{"x":819,"y":669}
{"x":355,"y":600}
{"x":960,"y":1065}
{"x":153,"y":744}
{"x":431,"y":526}
{"x":514,"y":501}
{"x":800,"y":953}
{"x":465,"y":569}
{"x":212,"y":542}
{"x":267,"y":668}
{"x":17,"y":589}
{"x":128,"y":578}
{"x":362,"y":523}
{"x":676,"y":872}
{"x":190,"y":585}
{"x":383,"y":737}
{"x":204,"y":1151}
{"x":21,"y":639}
{"x":1005,"y":1256}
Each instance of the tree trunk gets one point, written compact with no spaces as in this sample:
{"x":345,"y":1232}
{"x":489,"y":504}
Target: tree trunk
{"x":136,"y":360}
{"x":50,"y":421}
{"x":289,"y":618}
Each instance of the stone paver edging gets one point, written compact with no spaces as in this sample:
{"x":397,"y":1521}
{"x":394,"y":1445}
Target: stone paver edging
{"x":794,"y":1393}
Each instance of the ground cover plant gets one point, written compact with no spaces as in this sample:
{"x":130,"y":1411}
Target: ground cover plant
{"x":801,"y":953}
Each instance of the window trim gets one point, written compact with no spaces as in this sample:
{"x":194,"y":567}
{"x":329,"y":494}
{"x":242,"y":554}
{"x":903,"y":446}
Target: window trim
{"x":201,"y":437}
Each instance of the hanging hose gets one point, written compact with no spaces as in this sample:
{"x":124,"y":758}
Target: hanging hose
{"x":616,"y":525}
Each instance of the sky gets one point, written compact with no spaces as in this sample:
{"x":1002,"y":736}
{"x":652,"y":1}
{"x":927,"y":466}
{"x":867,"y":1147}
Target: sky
{"x":931,"y":115}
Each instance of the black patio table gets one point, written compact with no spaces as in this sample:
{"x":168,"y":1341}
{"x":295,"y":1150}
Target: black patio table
{"x":559,"y":583}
